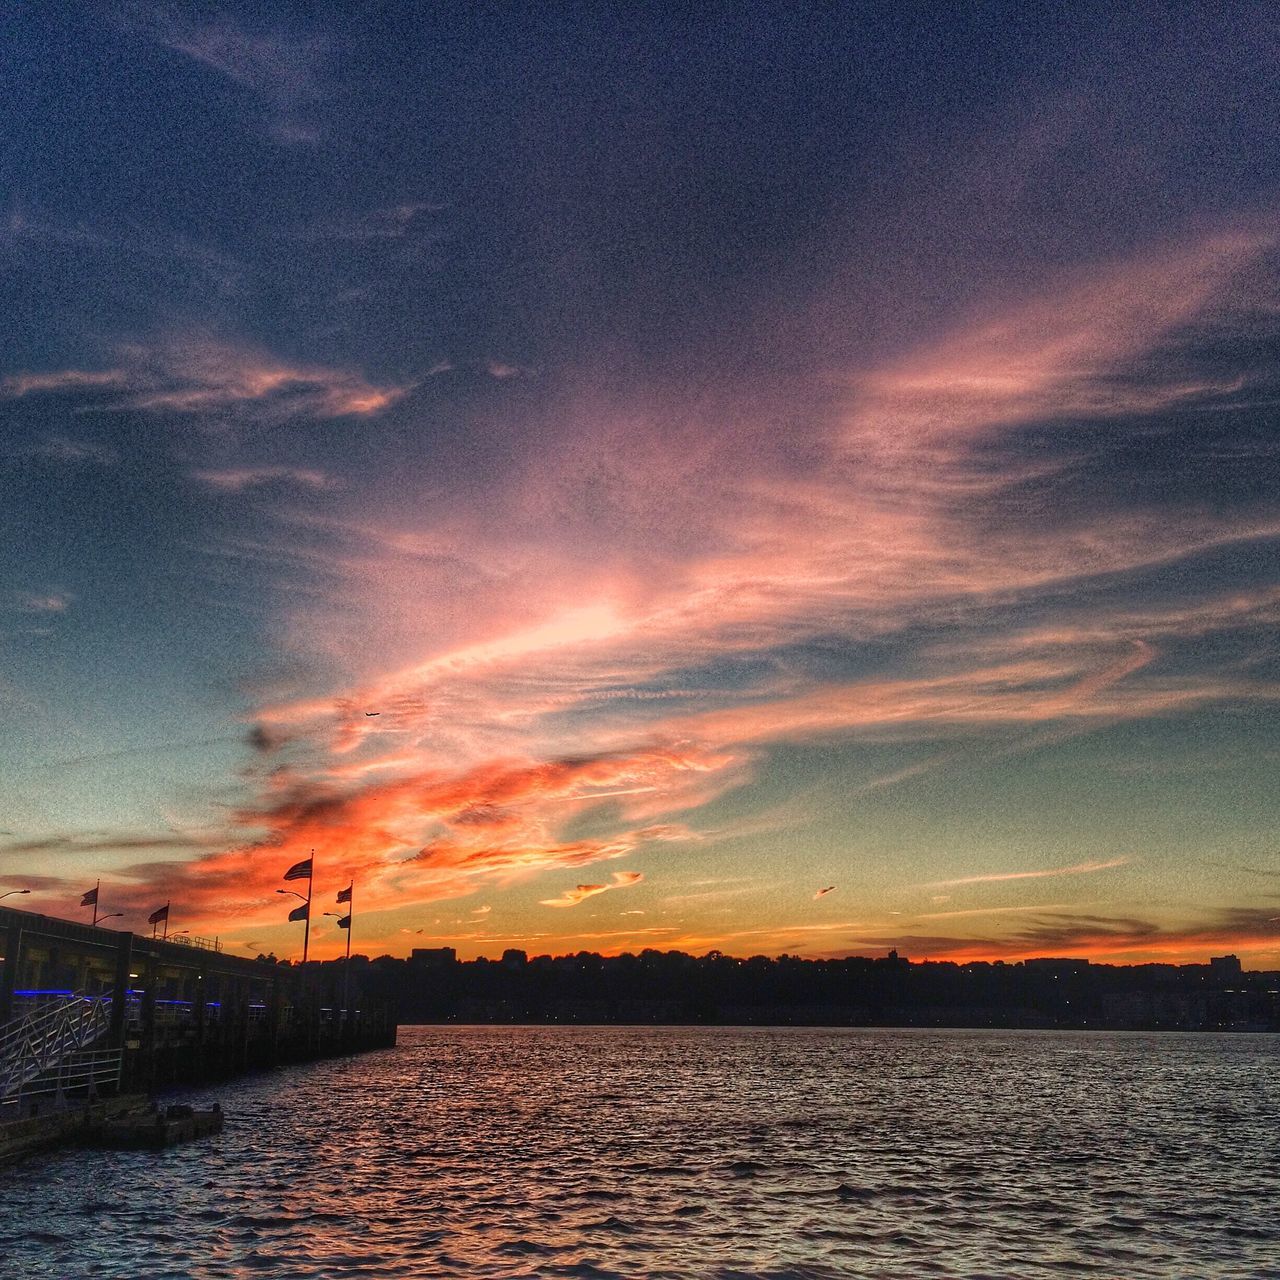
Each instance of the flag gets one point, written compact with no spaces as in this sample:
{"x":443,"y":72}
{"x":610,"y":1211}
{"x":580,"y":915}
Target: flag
{"x":90,"y":899}
{"x":161,"y":913}
{"x":344,"y":922}
{"x":300,"y":913}
{"x":299,"y":870}
{"x":344,"y":895}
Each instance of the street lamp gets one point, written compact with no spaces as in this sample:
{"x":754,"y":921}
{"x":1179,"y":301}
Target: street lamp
{"x":301,"y":913}
{"x":13,"y":891}
{"x":112,"y":916}
{"x":344,"y":922}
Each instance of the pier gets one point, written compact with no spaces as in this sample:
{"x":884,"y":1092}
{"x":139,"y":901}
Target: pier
{"x":89,"y":1013}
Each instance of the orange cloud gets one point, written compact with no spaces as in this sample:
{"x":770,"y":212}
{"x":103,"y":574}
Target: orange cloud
{"x":419,"y":837}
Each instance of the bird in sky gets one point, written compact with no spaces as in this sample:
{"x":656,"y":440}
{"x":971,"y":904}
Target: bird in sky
{"x":823,"y":892}
{"x":373,"y":713}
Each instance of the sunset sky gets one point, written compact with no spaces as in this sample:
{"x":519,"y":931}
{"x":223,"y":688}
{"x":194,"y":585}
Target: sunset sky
{"x":733,"y":456}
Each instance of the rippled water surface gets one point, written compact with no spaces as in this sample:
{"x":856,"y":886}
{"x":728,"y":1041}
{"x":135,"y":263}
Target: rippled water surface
{"x":550,"y":1151}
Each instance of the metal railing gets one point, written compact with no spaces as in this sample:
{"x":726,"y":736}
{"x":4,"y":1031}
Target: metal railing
{"x":187,"y":940}
{"x":47,"y":1037}
{"x":83,"y":1073}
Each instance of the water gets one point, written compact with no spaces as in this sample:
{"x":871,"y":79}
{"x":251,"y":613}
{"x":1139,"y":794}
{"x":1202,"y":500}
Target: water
{"x":695,"y":1152}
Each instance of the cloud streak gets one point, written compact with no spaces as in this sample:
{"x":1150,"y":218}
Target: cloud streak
{"x":202,"y":375}
{"x":239,"y":479}
{"x":580,"y":893}
{"x":281,"y":69}
{"x":1079,"y":869}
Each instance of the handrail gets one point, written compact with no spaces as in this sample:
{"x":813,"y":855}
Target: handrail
{"x":194,"y":940}
{"x":90,"y":1069}
{"x":43,"y":1015}
{"x":33,"y":1022}
{"x":35,"y":1044}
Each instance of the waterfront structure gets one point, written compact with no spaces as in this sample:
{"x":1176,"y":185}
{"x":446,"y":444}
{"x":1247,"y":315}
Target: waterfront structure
{"x":117,"y":1010}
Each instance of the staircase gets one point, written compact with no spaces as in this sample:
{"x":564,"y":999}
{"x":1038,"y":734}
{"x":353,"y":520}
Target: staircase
{"x":49,"y":1049}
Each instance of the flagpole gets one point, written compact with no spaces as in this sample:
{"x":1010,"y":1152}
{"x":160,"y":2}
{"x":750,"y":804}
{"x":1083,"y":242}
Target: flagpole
{"x":306,"y":929}
{"x":346,"y":968}
{"x":97,"y":890}
{"x":166,"y":918}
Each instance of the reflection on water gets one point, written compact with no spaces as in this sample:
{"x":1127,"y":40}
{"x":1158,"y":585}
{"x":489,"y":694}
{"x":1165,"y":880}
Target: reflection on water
{"x":708,"y":1152}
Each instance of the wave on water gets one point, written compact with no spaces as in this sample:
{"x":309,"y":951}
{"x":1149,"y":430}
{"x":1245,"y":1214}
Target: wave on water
{"x":694,"y":1154}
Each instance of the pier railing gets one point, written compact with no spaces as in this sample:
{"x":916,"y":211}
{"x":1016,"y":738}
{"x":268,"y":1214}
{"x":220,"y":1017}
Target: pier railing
{"x":189,"y":940}
{"x":47,"y":1038}
{"x":83,"y":1073}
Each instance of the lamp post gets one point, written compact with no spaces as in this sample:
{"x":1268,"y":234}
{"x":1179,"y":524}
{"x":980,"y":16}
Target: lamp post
{"x":11,"y":892}
{"x":112,"y":916}
{"x":344,"y":922}
{"x":302,"y":913}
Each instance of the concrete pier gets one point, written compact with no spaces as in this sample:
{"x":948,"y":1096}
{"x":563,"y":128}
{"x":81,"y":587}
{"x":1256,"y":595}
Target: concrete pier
{"x":176,"y":1011}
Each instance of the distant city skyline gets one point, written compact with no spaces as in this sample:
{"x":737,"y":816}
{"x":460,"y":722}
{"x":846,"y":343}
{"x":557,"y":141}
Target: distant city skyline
{"x":788,"y":481}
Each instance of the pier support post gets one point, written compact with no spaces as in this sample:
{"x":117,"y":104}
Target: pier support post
{"x":120,"y":992}
{"x":274,"y":1000}
{"x":150,"y":1050}
{"x":202,"y":1024}
{"x":9,"y":979}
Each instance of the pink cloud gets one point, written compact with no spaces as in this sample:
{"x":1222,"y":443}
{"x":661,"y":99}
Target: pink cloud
{"x":203,"y":375}
{"x":529,"y":648}
{"x":21,"y":384}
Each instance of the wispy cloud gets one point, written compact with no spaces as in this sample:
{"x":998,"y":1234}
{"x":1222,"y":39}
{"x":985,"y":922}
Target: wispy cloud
{"x":22,"y":384}
{"x":391,"y":223}
{"x":571,"y":897}
{"x":284,"y":70}
{"x":1037,"y":908}
{"x":1079,"y":869}
{"x":503,"y":369}
{"x":102,"y":842}
{"x":202,"y":375}
{"x":43,"y":602}
{"x":73,"y":452}
{"x":238,"y":479}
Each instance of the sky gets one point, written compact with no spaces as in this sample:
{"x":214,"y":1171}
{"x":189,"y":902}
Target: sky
{"x":601,"y":478}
